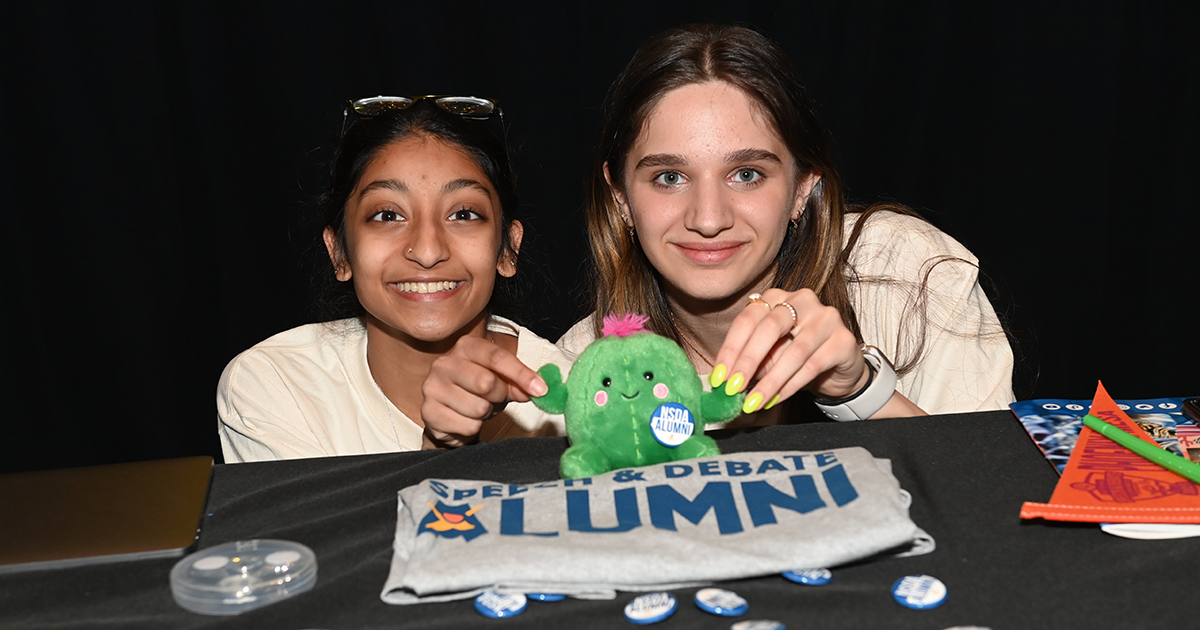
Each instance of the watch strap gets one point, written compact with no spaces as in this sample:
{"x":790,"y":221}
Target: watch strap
{"x":870,"y":399}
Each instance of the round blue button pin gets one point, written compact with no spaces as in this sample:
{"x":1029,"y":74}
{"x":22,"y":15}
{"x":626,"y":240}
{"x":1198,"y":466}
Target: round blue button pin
{"x":672,"y":424}
{"x":719,"y":601}
{"x":758,"y":624}
{"x":546,"y":597}
{"x":812,"y":577}
{"x":651,"y":608}
{"x":500,"y":605}
{"x":920,"y":592}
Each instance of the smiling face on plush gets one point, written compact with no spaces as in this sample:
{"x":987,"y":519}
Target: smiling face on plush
{"x":618,"y":385}
{"x":615,"y":387}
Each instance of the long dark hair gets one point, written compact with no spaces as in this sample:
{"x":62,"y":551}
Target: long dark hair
{"x":367,"y":136}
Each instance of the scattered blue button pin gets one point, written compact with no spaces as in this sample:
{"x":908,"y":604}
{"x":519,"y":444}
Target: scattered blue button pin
{"x":812,"y":577}
{"x":919,"y":591}
{"x":758,"y":624}
{"x":500,"y":605}
{"x":546,"y":597}
{"x":651,"y":608}
{"x":719,"y":601}
{"x":672,"y":424}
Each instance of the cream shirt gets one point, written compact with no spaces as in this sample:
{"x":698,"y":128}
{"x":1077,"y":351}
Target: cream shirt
{"x":308,"y":392}
{"x":967,"y":363}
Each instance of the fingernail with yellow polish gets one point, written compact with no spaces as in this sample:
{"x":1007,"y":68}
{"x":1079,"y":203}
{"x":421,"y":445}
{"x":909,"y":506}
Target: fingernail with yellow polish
{"x":735,"y":384}
{"x":718,"y":375}
{"x":752,"y":403}
{"x":774,"y":400}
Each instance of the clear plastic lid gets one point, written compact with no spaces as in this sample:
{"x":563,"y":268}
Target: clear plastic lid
{"x":235,"y":577}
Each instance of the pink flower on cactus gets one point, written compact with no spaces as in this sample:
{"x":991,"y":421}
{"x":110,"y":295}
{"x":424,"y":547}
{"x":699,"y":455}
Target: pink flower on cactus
{"x":624,"y":325}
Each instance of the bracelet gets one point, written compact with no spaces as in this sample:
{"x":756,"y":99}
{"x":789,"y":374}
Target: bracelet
{"x":867,"y":401}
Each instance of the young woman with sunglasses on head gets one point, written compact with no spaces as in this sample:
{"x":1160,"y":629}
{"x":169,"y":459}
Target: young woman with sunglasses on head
{"x":420,"y":228}
{"x":715,"y":208}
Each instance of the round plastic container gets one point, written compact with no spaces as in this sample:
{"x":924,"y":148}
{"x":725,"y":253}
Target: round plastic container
{"x":235,"y":577}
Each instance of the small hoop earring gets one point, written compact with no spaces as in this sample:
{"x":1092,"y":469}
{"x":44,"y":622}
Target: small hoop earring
{"x":625,"y":220}
{"x":795,"y":228}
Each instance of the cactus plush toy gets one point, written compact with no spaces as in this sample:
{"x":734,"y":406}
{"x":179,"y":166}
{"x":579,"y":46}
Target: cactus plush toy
{"x":633,"y":399}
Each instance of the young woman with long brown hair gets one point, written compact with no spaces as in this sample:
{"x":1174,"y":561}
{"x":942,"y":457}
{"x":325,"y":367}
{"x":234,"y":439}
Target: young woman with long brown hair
{"x":715,"y":208}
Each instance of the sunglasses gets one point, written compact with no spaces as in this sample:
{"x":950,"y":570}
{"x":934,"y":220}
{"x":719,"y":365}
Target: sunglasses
{"x":472,"y":107}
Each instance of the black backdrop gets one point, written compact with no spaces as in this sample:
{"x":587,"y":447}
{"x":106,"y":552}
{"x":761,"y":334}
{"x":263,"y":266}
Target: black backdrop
{"x":158,"y":164}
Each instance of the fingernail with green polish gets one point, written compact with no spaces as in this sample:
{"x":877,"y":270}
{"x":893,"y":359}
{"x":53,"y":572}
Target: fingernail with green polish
{"x":752,"y":403}
{"x":735,"y":384}
{"x":718,"y":375}
{"x":774,"y":400}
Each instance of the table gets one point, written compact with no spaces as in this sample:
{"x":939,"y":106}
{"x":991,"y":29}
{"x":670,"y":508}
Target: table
{"x":968,"y":475}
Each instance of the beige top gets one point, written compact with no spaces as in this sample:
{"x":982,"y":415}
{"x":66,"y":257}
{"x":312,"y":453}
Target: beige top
{"x":308,"y":392}
{"x":967,"y":363}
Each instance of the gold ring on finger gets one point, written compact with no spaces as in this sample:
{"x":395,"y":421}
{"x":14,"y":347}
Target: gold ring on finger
{"x":792,"y":309}
{"x":757,"y":298}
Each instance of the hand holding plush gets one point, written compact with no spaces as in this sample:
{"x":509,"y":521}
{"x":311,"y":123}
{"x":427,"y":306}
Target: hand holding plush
{"x":633,"y":399}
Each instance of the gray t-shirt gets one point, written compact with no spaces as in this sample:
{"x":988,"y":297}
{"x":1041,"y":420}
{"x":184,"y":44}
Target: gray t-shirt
{"x":655,"y":527}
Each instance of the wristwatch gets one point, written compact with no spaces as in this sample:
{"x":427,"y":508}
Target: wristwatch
{"x":871,"y":398}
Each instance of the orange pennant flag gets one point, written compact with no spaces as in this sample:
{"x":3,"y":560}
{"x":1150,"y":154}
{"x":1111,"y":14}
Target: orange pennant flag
{"x":1105,"y":482}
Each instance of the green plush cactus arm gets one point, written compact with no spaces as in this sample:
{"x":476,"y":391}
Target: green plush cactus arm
{"x":555,"y":400}
{"x":716,"y":406}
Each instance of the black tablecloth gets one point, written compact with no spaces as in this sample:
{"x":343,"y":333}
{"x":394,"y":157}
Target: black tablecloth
{"x":968,"y":475}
